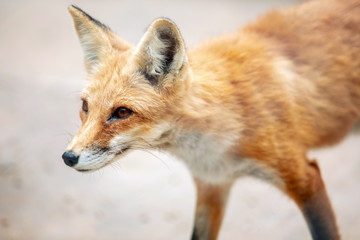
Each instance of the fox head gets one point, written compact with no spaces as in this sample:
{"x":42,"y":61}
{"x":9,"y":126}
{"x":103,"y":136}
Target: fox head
{"x":131,"y":91}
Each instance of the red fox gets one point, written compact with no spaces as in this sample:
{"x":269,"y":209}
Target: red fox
{"x":248,"y":103}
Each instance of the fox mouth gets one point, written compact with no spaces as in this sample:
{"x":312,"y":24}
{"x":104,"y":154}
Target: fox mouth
{"x":106,"y":163}
{"x":85,"y":170}
{"x":122,"y":151}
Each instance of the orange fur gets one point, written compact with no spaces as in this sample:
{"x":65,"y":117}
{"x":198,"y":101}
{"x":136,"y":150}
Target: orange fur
{"x":252,"y":102}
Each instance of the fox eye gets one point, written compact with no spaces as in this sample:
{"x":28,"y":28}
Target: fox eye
{"x":121,"y":113}
{"x":85,"y":107}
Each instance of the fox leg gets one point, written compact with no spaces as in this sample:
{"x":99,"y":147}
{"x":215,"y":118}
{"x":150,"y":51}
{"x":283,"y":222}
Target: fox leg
{"x":309,"y":193}
{"x":210,"y":207}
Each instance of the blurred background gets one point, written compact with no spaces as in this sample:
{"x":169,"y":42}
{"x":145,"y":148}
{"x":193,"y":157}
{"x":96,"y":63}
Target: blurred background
{"x":147,"y":195}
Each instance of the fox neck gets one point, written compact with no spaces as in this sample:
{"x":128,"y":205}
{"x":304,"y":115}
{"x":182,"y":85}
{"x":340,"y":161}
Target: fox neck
{"x":196,"y":128}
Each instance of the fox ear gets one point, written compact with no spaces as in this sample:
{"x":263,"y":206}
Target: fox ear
{"x":95,"y":37}
{"x":161,"y":52}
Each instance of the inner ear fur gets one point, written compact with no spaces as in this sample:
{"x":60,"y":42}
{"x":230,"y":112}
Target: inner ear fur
{"x":161,"y":51}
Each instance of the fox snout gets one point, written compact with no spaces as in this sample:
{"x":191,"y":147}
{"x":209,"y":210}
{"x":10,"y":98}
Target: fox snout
{"x":92,"y":158}
{"x":89,"y":161}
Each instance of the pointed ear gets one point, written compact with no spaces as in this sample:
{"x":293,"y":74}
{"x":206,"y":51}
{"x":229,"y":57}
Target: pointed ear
{"x":161,"y":52}
{"x":95,"y":37}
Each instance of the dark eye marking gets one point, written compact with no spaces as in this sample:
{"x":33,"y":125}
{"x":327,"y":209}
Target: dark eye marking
{"x":85,"y":107}
{"x":121,"y":113}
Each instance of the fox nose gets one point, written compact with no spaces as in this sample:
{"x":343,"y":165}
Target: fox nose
{"x":70,"y":158}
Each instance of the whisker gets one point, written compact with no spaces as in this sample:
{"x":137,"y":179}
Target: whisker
{"x":65,"y":134}
{"x":100,"y":172}
{"x":117,"y":166}
{"x":139,"y":147}
{"x":167,"y":166}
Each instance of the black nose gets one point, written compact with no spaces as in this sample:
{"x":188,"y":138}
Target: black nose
{"x":70,"y":158}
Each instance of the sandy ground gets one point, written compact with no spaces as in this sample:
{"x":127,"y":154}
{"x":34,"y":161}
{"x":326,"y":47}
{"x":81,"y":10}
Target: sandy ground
{"x":148,"y":195}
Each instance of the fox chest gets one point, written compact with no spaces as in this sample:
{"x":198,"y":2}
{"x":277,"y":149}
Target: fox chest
{"x":210,"y":161}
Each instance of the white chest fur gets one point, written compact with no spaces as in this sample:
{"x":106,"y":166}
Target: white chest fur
{"x":209,"y":161}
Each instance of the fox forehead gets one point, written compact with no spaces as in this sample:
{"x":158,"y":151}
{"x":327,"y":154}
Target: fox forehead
{"x":118,"y":82}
